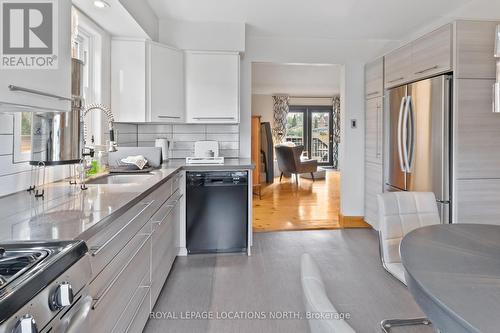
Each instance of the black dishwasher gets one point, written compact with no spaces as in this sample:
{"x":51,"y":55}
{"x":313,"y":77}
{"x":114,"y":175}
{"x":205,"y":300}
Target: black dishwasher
{"x":216,"y":211}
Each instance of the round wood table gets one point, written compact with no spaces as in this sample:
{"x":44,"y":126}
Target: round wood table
{"x":453,"y":272}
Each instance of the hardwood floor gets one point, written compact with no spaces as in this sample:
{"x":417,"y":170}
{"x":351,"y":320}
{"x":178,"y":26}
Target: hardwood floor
{"x":313,"y":205}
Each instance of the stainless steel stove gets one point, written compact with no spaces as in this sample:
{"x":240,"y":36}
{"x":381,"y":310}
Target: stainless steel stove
{"x":44,"y":287}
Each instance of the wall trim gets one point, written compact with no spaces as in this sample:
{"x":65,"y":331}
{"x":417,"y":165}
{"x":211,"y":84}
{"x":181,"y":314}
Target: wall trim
{"x":352,"y":222}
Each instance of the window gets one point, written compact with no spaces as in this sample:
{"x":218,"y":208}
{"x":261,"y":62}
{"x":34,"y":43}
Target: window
{"x":295,"y":128}
{"x":311,"y":127}
{"x":22,"y":136}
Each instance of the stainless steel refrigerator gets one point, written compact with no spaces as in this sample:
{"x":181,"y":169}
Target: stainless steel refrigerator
{"x":419,"y":144}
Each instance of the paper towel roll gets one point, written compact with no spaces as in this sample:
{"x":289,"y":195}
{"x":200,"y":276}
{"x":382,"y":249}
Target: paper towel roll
{"x":164,"y":145}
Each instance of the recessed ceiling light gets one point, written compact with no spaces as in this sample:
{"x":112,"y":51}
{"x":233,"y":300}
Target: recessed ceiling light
{"x":101,"y":4}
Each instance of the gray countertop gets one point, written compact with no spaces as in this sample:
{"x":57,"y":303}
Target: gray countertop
{"x":66,"y":212}
{"x":453,"y":272}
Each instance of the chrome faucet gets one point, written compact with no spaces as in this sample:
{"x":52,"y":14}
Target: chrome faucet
{"x":109,"y":115}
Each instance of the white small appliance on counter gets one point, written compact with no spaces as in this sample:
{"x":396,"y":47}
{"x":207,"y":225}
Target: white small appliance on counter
{"x":206,"y":152}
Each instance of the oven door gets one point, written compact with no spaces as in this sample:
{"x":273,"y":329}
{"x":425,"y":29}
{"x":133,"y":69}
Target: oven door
{"x":75,"y":319}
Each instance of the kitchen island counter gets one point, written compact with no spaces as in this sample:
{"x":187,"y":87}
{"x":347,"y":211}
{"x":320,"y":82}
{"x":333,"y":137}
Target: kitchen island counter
{"x":66,"y":212}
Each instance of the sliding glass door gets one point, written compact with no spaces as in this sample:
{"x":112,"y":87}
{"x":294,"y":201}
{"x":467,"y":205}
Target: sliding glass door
{"x":311,"y":126}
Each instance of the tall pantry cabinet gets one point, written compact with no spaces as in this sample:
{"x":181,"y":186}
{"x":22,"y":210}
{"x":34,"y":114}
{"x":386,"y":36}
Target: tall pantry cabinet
{"x":374,"y":138}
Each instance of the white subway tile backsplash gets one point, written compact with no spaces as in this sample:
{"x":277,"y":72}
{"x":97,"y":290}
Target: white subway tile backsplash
{"x":183,"y":145}
{"x":6,"y":124}
{"x":125,"y":137}
{"x":7,"y":166}
{"x":229,"y":152}
{"x":6,"y":144}
{"x":153,"y":136}
{"x":223,"y":129}
{"x":182,"y":153}
{"x":223,"y":137}
{"x":189,"y":137}
{"x":189,"y":128}
{"x":126,"y":128}
{"x":228,"y":145}
{"x":154,"y":128}
{"x":146,"y":144}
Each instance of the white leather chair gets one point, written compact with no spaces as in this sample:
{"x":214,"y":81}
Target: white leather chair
{"x":400,"y":213}
{"x":316,"y":300}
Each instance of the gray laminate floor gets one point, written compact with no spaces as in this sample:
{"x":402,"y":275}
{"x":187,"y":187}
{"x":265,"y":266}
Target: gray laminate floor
{"x":268,"y":281}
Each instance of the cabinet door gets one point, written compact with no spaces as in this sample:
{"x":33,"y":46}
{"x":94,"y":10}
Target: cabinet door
{"x":475,"y":42}
{"x":477,"y":153}
{"x":374,"y":78}
{"x":477,"y":201}
{"x":374,"y":130}
{"x":398,"y":67}
{"x":212,"y":87}
{"x":373,"y":187}
{"x":128,"y":80}
{"x":166,"y":83}
{"x":432,"y":54}
{"x":50,"y":81}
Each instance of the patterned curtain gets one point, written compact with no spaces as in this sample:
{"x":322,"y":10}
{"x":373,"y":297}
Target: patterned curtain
{"x":280,"y":111}
{"x":336,"y":131}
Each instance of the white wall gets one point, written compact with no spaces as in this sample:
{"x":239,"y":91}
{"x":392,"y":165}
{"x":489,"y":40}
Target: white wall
{"x":262,"y":105}
{"x":352,"y":53}
{"x":144,"y":15}
{"x":203,"y":35}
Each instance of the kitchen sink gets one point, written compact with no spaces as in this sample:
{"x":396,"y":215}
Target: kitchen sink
{"x":113,"y":179}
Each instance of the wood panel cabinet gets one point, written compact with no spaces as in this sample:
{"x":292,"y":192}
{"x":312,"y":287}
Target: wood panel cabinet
{"x":50,"y":81}
{"x":147,"y":82}
{"x":477,"y":201}
{"x":398,"y":67}
{"x":474,"y":49}
{"x":477,"y":131}
{"x":374,"y":78}
{"x":373,"y":187}
{"x":374,"y":130}
{"x":212,"y":87}
{"x":432,"y":53}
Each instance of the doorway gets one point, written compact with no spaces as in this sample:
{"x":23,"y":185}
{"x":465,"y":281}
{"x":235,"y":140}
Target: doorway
{"x":312,"y":127}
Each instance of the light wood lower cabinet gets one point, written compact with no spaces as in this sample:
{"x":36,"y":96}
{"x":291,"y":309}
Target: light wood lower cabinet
{"x":373,"y":187}
{"x":132,"y":258}
{"x":477,"y":201}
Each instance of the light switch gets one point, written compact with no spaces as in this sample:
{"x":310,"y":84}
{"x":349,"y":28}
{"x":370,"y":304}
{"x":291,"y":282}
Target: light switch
{"x":354,"y":123}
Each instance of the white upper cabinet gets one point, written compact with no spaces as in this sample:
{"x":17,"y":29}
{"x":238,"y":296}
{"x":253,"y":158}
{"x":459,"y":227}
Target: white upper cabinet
{"x":212,"y":87}
{"x":50,"y":89}
{"x":374,"y":78}
{"x":398,"y":67}
{"x":432,"y":53}
{"x":146,"y":82}
{"x":166,"y":80}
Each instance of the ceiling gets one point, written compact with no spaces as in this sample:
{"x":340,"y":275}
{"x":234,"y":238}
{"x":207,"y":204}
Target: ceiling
{"x":295,"y":79}
{"x":336,"y":19}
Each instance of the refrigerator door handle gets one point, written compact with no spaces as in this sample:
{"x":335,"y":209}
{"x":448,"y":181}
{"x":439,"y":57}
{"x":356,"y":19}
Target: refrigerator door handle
{"x":410,"y":151}
{"x":405,"y":129}
{"x":400,"y":124}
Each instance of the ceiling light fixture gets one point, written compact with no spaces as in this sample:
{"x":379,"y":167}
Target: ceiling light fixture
{"x":101,"y":4}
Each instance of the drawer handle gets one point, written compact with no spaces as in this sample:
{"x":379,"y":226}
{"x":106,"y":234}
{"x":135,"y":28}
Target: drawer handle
{"x":113,"y":282}
{"x":168,"y":117}
{"x":96,"y":252}
{"x":372,"y":93}
{"x":171,"y":206}
{"x":396,"y":80}
{"x":38,"y":92}
{"x":427,"y":69}
{"x":137,"y":311}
